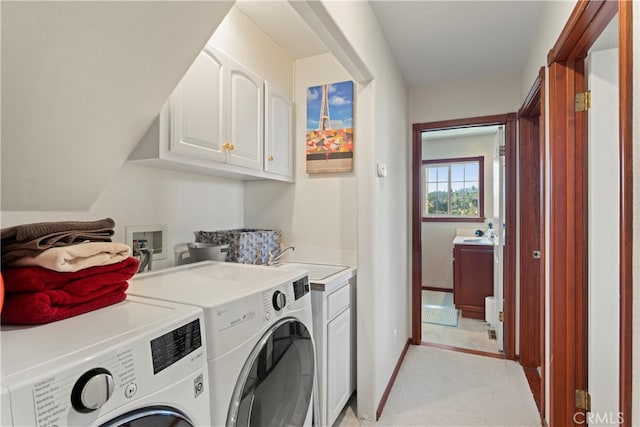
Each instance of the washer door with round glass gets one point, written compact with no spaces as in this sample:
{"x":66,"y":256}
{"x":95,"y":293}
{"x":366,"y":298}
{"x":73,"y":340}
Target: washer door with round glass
{"x":155,"y":416}
{"x":276,"y":382}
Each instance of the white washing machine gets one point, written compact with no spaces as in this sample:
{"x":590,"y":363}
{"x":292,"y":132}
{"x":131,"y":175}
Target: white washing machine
{"x":140,"y":362}
{"x":259,"y":338}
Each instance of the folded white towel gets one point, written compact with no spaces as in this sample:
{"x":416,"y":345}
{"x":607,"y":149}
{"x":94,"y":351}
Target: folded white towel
{"x":77,"y":257}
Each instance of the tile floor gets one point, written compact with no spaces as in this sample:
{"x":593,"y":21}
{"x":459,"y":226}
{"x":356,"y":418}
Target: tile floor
{"x":470,"y":334}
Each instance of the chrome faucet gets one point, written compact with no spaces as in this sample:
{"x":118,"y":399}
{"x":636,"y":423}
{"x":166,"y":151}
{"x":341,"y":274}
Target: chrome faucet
{"x":274,"y":258}
{"x":145,"y":254}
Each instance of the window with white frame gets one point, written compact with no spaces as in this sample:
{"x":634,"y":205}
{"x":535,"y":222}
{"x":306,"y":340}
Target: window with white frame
{"x":453,"y":189}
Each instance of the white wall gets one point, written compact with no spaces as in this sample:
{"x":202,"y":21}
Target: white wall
{"x":317,"y":214}
{"x":437,"y":264}
{"x":139,"y":195}
{"x":554,"y":16}
{"x":498,"y":95}
{"x":242,"y":40}
{"x":80,"y":86}
{"x":603,"y":261}
{"x":382,"y":126}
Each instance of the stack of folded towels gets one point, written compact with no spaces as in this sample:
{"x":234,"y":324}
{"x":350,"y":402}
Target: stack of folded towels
{"x":56,"y":270}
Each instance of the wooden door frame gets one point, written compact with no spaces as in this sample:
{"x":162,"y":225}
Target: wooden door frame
{"x":567,"y":242}
{"x":509,"y":121}
{"x":531,"y":123}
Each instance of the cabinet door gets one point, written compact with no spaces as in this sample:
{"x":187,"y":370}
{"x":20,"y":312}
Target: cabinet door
{"x":278,"y":132}
{"x":197,"y":110}
{"x":245,"y":119}
{"x":338,"y":364}
{"x":472,"y":278}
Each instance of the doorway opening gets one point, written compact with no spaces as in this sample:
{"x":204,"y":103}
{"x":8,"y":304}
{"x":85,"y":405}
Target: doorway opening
{"x":531,"y":202}
{"x":460,"y":218}
{"x":439,"y":217}
{"x":568,"y":210}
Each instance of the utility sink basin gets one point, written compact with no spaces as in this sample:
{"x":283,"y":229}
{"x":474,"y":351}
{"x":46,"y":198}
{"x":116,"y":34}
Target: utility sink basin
{"x":316,"y":271}
{"x":464,"y":240}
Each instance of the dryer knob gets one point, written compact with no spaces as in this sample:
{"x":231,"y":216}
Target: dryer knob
{"x":279,"y":300}
{"x":92,"y":390}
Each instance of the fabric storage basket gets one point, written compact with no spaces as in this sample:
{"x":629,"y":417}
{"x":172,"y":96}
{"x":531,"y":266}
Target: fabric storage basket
{"x":246,"y":245}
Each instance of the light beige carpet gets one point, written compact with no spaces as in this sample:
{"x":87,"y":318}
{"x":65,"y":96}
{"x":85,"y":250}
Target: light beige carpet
{"x":438,"y":387}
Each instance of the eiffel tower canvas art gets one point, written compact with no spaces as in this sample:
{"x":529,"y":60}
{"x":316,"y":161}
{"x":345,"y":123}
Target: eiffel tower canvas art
{"x":329,"y":146}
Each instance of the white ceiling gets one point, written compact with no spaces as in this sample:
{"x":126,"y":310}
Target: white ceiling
{"x":284,"y":25}
{"x":436,"y":42}
{"x":433,"y":42}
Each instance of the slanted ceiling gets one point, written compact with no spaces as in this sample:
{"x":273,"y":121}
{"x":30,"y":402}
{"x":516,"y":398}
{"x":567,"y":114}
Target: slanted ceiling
{"x":81,"y":83}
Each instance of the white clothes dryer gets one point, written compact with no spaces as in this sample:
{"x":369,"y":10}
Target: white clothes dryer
{"x":137,"y":363}
{"x":259,"y":335}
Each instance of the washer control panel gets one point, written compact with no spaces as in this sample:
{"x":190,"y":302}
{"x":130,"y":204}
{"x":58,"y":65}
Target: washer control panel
{"x":279,"y":300}
{"x":276,"y":301}
{"x":80,"y":391}
{"x":92,"y":390}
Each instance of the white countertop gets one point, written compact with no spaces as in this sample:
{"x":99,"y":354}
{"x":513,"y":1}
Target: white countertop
{"x":468,"y":240}
{"x":321,"y":276}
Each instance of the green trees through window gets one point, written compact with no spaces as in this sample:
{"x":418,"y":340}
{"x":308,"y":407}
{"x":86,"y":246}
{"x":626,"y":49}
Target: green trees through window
{"x":453,"y":187}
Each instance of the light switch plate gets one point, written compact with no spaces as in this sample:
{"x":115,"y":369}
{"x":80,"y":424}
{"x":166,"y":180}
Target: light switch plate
{"x":382,"y":170}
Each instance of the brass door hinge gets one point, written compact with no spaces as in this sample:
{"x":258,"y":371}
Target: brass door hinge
{"x":501,"y":316}
{"x":583,"y":400}
{"x":583,"y":101}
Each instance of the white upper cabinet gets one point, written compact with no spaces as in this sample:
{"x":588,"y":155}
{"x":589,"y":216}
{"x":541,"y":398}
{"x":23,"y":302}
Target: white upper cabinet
{"x":197,"y":109}
{"x":217,"y":112}
{"x":278,"y":132}
{"x":223,"y":119}
{"x":245,"y":114}
{"x":215,"y":123}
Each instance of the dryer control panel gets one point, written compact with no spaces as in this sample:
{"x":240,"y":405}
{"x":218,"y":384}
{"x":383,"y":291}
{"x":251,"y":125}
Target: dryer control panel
{"x":301,"y":287}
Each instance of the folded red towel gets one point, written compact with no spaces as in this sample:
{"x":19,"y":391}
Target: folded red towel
{"x":84,"y":282}
{"x":34,"y":308}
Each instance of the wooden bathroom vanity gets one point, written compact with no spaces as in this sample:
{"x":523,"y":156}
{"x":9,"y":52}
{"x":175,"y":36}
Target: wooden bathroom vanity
{"x":472,"y":275}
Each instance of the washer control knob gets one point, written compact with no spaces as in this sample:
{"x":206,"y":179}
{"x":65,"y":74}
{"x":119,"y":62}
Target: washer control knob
{"x":92,"y":390}
{"x":279,"y":300}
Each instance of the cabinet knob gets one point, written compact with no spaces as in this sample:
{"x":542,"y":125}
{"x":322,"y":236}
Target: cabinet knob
{"x":270,"y":158}
{"x":231,"y":147}
{"x":227,"y":146}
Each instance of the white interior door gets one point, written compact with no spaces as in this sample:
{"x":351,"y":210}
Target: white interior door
{"x":603,"y":261}
{"x":499,"y":226}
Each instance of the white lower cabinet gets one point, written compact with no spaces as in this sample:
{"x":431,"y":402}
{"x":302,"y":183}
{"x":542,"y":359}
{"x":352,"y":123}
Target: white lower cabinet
{"x":334,"y":333}
{"x":338,"y":364}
